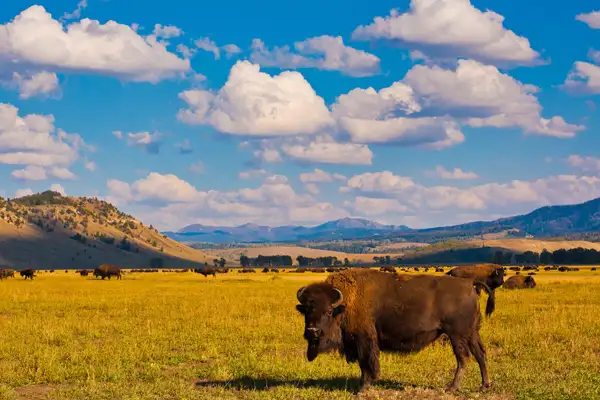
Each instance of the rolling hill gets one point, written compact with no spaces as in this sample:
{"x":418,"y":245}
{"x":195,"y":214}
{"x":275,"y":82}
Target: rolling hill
{"x":50,"y":231}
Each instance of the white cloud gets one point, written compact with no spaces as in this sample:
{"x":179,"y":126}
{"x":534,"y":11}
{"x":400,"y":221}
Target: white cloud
{"x":76,"y":14}
{"x":321,"y":52}
{"x":197,"y":167}
{"x":90,"y":166}
{"x":156,"y":187}
{"x":327,"y":151}
{"x":184,"y":147}
{"x":37,"y":173}
{"x":275,"y":180}
{"x":268,"y":155}
{"x":40,"y":84}
{"x":35,"y":42}
{"x":512,"y":197}
{"x":587,"y":164}
{"x":254,"y":103}
{"x":591,"y":19}
{"x":209,"y":45}
{"x":320,"y":176}
{"x":149,"y":142}
{"x":167,"y":31}
{"x":455,"y":174}
{"x":451,"y":29}
{"x":583,"y":78}
{"x":312,"y":188}
{"x":118,"y":134}
{"x":255,"y":173}
{"x":34,"y":141}
{"x":23,"y":192}
{"x":373,"y":206}
{"x":185,"y":51}
{"x":58,"y":188}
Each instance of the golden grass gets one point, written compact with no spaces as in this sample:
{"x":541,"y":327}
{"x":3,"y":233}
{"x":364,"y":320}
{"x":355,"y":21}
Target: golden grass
{"x":535,"y":245}
{"x":183,"y":336}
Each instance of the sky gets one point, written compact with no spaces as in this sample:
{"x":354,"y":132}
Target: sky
{"x":415,"y":112}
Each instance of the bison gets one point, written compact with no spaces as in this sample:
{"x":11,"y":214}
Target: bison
{"x":6,"y":273}
{"x":84,"y":272}
{"x":519,"y":282}
{"x":206,"y":271}
{"x":362,"y":312}
{"x":28,"y":273}
{"x":107,"y":271}
{"x":490,"y":274}
{"x":388,"y":269}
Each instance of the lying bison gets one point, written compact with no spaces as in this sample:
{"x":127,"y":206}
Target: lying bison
{"x":107,"y":271}
{"x":28,"y":273}
{"x":362,"y":312}
{"x":490,"y":274}
{"x":519,"y":282}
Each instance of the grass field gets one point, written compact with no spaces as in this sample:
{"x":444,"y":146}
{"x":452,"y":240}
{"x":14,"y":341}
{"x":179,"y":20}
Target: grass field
{"x":183,"y":336}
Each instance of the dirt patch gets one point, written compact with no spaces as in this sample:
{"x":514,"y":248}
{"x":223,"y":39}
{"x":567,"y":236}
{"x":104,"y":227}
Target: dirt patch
{"x":33,"y":392}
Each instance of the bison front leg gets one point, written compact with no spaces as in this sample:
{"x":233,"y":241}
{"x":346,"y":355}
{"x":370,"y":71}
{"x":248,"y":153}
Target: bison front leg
{"x":368,"y":360}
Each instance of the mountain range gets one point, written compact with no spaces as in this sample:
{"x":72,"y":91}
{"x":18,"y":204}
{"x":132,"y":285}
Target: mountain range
{"x":549,"y":221}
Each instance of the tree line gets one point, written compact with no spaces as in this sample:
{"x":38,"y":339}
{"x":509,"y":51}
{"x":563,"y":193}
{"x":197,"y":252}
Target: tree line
{"x":577,"y":256}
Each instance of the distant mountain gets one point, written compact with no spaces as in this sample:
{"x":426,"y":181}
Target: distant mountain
{"x":346,"y":228}
{"x":572,"y":220}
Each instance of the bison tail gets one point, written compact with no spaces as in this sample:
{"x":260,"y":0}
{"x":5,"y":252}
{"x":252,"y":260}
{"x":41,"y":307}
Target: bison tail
{"x":490,"y":306}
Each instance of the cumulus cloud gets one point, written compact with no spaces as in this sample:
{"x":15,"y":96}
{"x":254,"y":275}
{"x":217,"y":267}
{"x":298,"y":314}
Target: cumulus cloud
{"x":512,"y":197}
{"x":33,"y":42}
{"x":583,"y":78}
{"x":168,"y":201}
{"x":197,"y":167}
{"x":76,"y":14}
{"x":90,"y":166}
{"x":455,"y":174}
{"x":326,"y":150}
{"x":58,"y":188}
{"x":166,"y":32}
{"x":118,"y":134}
{"x":23,"y":192}
{"x":586,"y":164}
{"x":33,"y":141}
{"x":254,"y":103}
{"x":312,"y":188}
{"x":320,"y":176}
{"x":255,"y":173}
{"x":451,"y":29}
{"x":591,"y":19}
{"x":372,"y":207}
{"x":321,"y":52}
{"x":267,"y":155}
{"x":40,"y":84}
{"x":149,"y":142}
{"x":209,"y":45}
{"x":184,"y":147}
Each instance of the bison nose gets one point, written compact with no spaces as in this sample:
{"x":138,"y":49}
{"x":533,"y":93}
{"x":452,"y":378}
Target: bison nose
{"x":312,"y":332}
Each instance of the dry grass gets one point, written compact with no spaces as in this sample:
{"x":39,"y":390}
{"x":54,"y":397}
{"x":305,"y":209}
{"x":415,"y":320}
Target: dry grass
{"x":537,"y":246}
{"x":182,"y":336}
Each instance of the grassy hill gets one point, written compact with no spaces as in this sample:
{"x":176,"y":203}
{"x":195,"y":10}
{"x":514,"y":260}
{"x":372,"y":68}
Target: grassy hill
{"x":50,"y":231}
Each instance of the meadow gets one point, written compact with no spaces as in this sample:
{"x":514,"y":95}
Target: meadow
{"x":183,"y":336}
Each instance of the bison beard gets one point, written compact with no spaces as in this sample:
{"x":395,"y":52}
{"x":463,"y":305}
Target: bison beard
{"x":360,"y":313}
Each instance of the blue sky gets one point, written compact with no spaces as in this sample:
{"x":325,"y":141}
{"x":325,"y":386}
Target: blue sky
{"x":422,"y":112}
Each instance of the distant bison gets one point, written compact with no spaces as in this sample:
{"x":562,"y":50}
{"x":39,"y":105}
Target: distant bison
{"x":28,"y":273}
{"x":388,"y":269}
{"x":519,"y":282}
{"x":107,"y":271}
{"x":6,"y":273}
{"x":490,"y":274}
{"x":84,"y":272}
{"x":206,"y":271}
{"x":362,"y":312}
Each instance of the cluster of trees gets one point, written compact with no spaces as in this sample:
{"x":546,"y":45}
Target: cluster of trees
{"x":578,"y":256}
{"x":320,"y":261}
{"x":387,"y":260}
{"x":264,"y":261}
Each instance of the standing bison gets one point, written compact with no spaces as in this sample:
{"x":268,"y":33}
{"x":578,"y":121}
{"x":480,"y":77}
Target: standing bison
{"x":360,"y":313}
{"x":490,"y":274}
{"x":519,"y":282}
{"x":6,"y":273}
{"x":107,"y":271}
{"x":28,"y":273}
{"x":206,"y":271}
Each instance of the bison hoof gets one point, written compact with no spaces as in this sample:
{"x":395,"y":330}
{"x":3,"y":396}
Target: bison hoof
{"x":484,"y":387}
{"x":451,"y":389}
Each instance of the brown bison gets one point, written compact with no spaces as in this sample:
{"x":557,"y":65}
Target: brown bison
{"x":107,"y":271}
{"x":519,"y":282}
{"x":206,"y":271}
{"x":28,"y":273}
{"x":84,"y":272}
{"x":362,"y":312}
{"x":388,"y":269}
{"x":490,"y":274}
{"x":6,"y":273}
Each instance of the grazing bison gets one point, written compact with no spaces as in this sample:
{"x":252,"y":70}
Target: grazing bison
{"x":28,"y":273}
{"x":362,"y":312}
{"x":490,"y":274}
{"x":519,"y":282}
{"x":7,"y":272}
{"x":206,"y":271}
{"x":107,"y":271}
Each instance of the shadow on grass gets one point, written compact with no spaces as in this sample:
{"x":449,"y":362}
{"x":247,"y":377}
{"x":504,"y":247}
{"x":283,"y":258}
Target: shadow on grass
{"x":340,"y":383}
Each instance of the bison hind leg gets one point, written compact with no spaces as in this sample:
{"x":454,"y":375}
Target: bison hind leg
{"x":460,"y":347}
{"x":476,"y":348}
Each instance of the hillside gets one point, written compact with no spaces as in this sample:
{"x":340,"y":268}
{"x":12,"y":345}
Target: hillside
{"x":50,"y":231}
{"x":537,"y":246}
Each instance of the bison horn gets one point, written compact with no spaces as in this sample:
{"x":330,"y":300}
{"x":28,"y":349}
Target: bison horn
{"x":339,"y":300}
{"x":299,"y":293}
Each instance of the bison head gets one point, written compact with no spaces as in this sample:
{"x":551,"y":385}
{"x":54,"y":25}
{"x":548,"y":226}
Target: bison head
{"x":321,"y":306}
{"x":529,"y":282}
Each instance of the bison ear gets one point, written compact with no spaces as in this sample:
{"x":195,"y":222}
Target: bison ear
{"x":301,"y":308}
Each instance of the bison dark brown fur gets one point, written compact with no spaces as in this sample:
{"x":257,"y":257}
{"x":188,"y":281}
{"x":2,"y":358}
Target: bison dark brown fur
{"x":362,"y":312}
{"x":107,"y":271}
{"x":490,"y":274}
{"x":28,"y":273}
{"x":519,"y":282}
